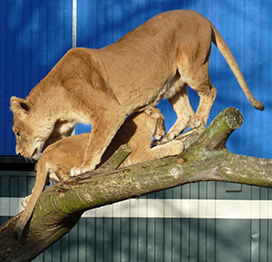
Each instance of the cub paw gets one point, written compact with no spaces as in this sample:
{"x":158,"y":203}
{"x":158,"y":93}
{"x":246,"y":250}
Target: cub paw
{"x":159,"y":142}
{"x":177,"y":147}
{"x":162,"y":141}
{"x":25,"y":201}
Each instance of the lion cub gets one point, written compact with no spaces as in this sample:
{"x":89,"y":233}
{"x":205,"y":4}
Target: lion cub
{"x":58,"y":158}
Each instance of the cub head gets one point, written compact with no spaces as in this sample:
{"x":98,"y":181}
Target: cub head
{"x":31,"y":130}
{"x":155,"y":122}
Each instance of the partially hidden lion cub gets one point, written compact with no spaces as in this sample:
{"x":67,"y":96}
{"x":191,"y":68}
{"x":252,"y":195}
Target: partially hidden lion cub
{"x":58,"y":158}
{"x":101,"y":87}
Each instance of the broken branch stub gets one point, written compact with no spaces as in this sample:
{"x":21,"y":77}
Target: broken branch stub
{"x":218,"y":132}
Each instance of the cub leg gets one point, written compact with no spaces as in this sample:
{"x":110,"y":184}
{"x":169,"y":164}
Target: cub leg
{"x":53,"y":177}
{"x":103,"y":131}
{"x":27,"y":198}
{"x":171,"y":148}
{"x":58,"y":176}
{"x":36,"y":192}
{"x":181,"y":105}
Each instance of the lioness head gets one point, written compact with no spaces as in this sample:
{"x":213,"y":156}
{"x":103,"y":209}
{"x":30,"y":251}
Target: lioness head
{"x":30,"y":132}
{"x":157,"y":125}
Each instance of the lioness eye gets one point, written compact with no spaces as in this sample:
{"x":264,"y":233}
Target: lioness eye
{"x":18,"y":134}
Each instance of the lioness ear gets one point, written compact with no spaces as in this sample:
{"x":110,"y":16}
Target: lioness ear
{"x":19,"y":106}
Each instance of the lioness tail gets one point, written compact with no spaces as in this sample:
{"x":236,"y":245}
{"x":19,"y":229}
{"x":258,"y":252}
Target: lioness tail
{"x":225,"y":51}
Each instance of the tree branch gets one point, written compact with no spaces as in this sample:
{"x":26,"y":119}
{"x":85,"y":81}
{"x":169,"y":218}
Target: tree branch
{"x":60,"y":206}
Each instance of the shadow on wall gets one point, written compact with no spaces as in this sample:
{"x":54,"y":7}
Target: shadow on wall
{"x":167,"y":239}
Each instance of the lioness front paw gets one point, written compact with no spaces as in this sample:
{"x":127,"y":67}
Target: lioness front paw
{"x":75,"y":171}
{"x":177,"y":147}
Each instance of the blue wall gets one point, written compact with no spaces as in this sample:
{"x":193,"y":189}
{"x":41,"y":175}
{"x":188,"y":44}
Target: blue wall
{"x":34,"y":36}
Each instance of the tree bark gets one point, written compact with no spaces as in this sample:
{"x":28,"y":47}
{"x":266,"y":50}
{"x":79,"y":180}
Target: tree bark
{"x":205,"y":158}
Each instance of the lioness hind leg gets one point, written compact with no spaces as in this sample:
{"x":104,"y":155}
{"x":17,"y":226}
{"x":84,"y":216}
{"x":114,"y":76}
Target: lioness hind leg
{"x":207,"y":96}
{"x":184,"y":111}
{"x":187,"y":102}
{"x":197,"y":77}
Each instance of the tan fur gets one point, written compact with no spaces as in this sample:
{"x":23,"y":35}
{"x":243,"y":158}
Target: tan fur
{"x":101,"y":87}
{"x":58,"y":159}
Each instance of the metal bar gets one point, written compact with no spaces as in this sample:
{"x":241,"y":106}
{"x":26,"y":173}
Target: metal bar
{"x":74,"y":24}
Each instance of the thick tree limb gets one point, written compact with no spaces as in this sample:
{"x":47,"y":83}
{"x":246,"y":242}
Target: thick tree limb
{"x":60,"y":206}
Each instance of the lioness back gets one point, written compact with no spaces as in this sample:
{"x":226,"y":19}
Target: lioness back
{"x":157,"y":60}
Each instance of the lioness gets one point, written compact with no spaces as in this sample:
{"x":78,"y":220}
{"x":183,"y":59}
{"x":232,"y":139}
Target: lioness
{"x":101,"y":87}
{"x":58,"y":158}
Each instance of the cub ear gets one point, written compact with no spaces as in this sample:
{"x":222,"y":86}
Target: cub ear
{"x":19,"y":106}
{"x":149,"y":111}
{"x":154,"y":112}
